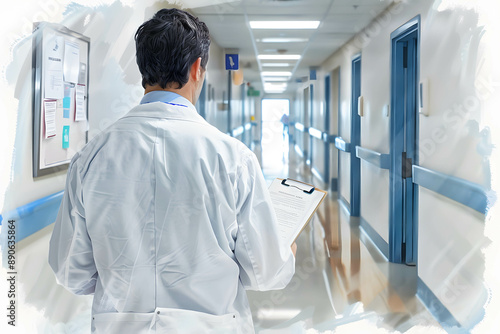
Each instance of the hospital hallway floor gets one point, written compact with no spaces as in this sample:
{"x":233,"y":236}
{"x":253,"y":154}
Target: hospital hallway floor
{"x":341,"y":280}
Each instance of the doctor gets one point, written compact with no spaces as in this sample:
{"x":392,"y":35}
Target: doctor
{"x":165,"y":219}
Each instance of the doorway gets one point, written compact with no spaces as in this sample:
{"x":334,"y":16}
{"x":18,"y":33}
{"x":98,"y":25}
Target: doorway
{"x":275,"y":113}
{"x":305,"y":121}
{"x":355,"y":136}
{"x":404,"y":130}
{"x":332,"y":106}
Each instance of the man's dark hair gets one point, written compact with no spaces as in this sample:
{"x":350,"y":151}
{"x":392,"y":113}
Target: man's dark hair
{"x":168,"y":44}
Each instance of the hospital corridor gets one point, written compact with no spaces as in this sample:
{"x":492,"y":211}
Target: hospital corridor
{"x":388,"y":107}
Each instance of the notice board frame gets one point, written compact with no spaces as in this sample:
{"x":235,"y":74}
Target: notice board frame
{"x":39,"y":31}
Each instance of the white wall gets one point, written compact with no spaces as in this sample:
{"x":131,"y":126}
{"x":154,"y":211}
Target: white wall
{"x":216,"y":79}
{"x":453,"y":139}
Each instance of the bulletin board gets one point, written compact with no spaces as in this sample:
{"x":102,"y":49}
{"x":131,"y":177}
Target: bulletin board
{"x":60,"y":96}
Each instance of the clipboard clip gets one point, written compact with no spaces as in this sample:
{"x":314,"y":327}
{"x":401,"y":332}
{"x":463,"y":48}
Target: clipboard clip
{"x":311,"y":188}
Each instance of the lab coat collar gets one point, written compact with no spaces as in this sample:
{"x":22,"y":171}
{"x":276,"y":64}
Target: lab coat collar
{"x":163,"y":104}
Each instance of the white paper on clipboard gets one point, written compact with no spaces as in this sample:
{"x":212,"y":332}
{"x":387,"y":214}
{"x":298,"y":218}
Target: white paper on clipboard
{"x":294,"y":203}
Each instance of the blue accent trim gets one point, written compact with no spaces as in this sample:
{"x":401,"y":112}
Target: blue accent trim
{"x":381,"y":244}
{"x":237,"y":131}
{"x":300,"y":126}
{"x":468,"y":193}
{"x":339,"y":176}
{"x":378,"y":159}
{"x":437,"y":309}
{"x":334,"y":184}
{"x":34,"y":216}
{"x":299,"y":151}
{"x":355,"y":136}
{"x":229,"y":103}
{"x":317,"y":174}
{"x":324,"y":135}
{"x":330,"y":139}
{"x":315,"y":133}
{"x":403,"y":198}
{"x":343,"y":203}
{"x":243,"y":94}
{"x":342,"y":145}
{"x":309,"y":155}
{"x":202,"y":100}
{"x":241,"y":129}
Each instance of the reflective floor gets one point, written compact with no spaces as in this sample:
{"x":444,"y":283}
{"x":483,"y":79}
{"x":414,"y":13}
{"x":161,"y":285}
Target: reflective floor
{"x":341,"y":279}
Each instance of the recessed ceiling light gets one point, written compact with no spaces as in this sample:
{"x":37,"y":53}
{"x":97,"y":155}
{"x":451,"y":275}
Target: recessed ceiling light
{"x":274,"y":91}
{"x":276,"y":74}
{"x":276,"y":78}
{"x":276,"y":65}
{"x":282,"y":40}
{"x":284,"y":24}
{"x":279,"y":57}
{"x":275,"y":85}
{"x":274,"y":88}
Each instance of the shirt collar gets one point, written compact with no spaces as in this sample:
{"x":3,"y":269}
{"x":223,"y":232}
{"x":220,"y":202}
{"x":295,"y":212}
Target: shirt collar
{"x":166,"y":97}
{"x":164,"y":104}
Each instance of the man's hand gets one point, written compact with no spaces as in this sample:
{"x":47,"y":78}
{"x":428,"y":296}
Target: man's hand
{"x":294,"y":248}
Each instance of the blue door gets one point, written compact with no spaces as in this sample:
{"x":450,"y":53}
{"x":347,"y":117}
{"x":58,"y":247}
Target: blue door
{"x":200,"y":105}
{"x":326,"y":175}
{"x":355,"y":136}
{"x":310,"y":124}
{"x":404,"y":130}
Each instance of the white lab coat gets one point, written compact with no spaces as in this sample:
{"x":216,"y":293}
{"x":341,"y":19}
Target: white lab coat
{"x":167,"y":221}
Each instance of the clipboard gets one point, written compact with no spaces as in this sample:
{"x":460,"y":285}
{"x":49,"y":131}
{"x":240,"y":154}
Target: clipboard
{"x":295,"y":203}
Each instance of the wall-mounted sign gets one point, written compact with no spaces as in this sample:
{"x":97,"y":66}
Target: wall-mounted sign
{"x":232,"y":62}
{"x":252,"y":92}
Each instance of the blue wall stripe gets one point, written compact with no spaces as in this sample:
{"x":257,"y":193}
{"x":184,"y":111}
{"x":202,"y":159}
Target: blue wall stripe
{"x":317,"y":174}
{"x":315,"y":133}
{"x":241,"y":129}
{"x":329,"y":138}
{"x":299,"y":151}
{"x":381,"y":244}
{"x":342,"y":145}
{"x":345,"y":204}
{"x":334,"y":185}
{"x":299,"y":126}
{"x":375,"y":158}
{"x":437,"y":309}
{"x":237,"y":131}
{"x":460,"y":190}
{"x":32,"y":217}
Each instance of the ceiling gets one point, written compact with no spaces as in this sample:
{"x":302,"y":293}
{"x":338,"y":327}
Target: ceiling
{"x":339,"y":20}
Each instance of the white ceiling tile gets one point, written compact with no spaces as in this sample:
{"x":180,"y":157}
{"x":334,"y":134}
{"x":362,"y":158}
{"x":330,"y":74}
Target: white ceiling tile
{"x":342,"y":20}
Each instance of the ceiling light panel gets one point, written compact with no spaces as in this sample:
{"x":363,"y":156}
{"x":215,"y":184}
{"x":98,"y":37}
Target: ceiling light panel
{"x":301,"y":25}
{"x":275,"y":85}
{"x":276,"y":65}
{"x":279,"y":57}
{"x":282,"y":40}
{"x":283,"y":79}
{"x":276,"y":74}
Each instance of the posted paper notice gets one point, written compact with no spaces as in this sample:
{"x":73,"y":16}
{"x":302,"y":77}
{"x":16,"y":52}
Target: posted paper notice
{"x":50,"y":107}
{"x":71,"y":61}
{"x":80,"y":114}
{"x":53,"y":79}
